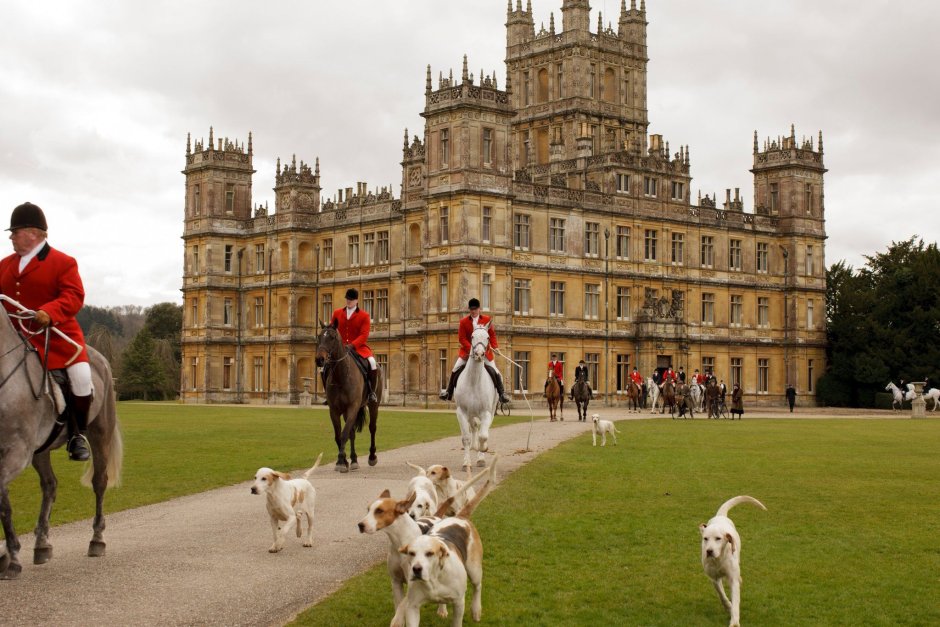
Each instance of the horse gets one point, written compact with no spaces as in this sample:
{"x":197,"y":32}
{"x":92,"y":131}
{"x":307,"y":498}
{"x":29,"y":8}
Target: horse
{"x":934,"y":395}
{"x":899,"y":397}
{"x":28,"y":418}
{"x":475,"y":396}
{"x":697,"y":394}
{"x":555,"y":396}
{"x":347,"y":396}
{"x":684,"y":401}
{"x":669,"y":395}
{"x":581,"y":392}
{"x":654,"y":393}
{"x":712,"y":394}
{"x":633,"y":396}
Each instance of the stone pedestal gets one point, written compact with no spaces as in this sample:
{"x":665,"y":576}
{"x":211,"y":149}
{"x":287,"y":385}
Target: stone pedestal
{"x":918,"y":405}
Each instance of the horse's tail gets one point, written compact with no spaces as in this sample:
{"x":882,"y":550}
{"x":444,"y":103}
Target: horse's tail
{"x":115,"y":456}
{"x":360,"y":419}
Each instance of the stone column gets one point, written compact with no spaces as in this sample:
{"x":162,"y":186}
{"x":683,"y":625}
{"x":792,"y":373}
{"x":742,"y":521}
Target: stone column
{"x":918,"y":405}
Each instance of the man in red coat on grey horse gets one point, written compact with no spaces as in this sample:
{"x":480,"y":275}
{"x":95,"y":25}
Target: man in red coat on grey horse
{"x":464,"y":332}
{"x":46,"y":280}
{"x":353,"y":325}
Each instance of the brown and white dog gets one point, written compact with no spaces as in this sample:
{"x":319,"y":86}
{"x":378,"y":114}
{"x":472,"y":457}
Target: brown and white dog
{"x":391,"y":516}
{"x":287,"y":501}
{"x":602,"y":428}
{"x":426,"y":497}
{"x":447,"y":486}
{"x":721,"y":555}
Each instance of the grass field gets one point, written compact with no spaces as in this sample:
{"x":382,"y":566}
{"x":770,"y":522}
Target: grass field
{"x":608,"y":536}
{"x":171,"y":450}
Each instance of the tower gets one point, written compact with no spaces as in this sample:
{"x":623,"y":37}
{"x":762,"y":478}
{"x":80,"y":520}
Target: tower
{"x":218,"y":179}
{"x":297,"y":188}
{"x":788,"y":182}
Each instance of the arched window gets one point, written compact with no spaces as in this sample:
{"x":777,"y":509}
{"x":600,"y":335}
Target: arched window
{"x":542,"y":86}
{"x":610,"y":85}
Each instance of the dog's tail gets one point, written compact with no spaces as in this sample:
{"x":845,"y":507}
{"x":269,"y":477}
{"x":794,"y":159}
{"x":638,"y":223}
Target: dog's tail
{"x":315,"y":464}
{"x":447,"y":504}
{"x":421,"y":471}
{"x":727,"y":505}
{"x":467,"y":509}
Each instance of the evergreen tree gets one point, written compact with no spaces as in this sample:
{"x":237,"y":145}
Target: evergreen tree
{"x":142,"y":375}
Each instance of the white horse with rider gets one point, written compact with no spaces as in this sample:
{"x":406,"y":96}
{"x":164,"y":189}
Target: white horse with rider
{"x":654,"y":392}
{"x":901,"y":396}
{"x":476,"y":397}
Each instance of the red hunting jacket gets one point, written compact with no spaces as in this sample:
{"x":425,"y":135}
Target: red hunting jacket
{"x":636,"y":377}
{"x":354,"y":331}
{"x":49,"y":282}
{"x":558,"y":368}
{"x":465,"y":331}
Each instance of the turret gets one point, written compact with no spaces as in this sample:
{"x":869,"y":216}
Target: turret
{"x":575,"y":15}
{"x":218,"y":178}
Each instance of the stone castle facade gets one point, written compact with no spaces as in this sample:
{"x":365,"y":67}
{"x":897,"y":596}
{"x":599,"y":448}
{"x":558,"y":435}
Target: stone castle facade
{"x":547,"y":200}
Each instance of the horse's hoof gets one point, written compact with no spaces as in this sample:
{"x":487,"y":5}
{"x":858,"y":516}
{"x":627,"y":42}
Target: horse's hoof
{"x":12,"y":571}
{"x":481,"y":463}
{"x":41,"y":555}
{"x":4,"y":561}
{"x":354,"y":466}
{"x":373,"y":460}
{"x":343,"y":469}
{"x":96,"y":548}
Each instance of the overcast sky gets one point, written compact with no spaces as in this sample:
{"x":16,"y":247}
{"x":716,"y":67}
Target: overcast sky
{"x":97,"y":96}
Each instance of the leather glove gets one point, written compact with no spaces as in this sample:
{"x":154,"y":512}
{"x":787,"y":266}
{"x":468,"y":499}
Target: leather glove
{"x":42,"y":318}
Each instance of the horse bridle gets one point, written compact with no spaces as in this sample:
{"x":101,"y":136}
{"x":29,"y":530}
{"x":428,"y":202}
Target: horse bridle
{"x":24,"y":342}
{"x":473,"y":347}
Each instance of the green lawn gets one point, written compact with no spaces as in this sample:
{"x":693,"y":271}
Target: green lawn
{"x":171,"y":450}
{"x":608,"y":536}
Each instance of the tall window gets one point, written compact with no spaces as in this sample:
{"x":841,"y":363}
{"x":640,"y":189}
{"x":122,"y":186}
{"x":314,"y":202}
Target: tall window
{"x":520,"y":231}
{"x":228,"y":257}
{"x":734,"y":254}
{"x":368,"y":249}
{"x":592,"y":300}
{"x":678,"y":248}
{"x":592,"y":85}
{"x":229,"y":198}
{"x":486,"y":295}
{"x":762,"y":257}
{"x":195,"y":256}
{"x":774,"y":195}
{"x":526,"y":85}
{"x":259,"y":311}
{"x":520,"y":375}
{"x":623,"y":183}
{"x":810,"y":267}
{"x":810,"y":317}
{"x":591,"y":360}
{"x":708,"y":309}
{"x":328,"y":253}
{"x":197,"y":200}
{"x":556,"y":235}
{"x":381,"y":360}
{"x":678,"y":190}
{"x":649,"y":186}
{"x":445,"y":225}
{"x":708,"y":364}
{"x":227,"y":312}
{"x":737,"y":367}
{"x":737,"y":310}
{"x":381,"y":250}
{"x":592,"y":238}
{"x":487,"y":146}
{"x":808,"y":198}
{"x":443,"y":368}
{"x":763,"y":311}
{"x":227,"y":373}
{"x":259,"y":258}
{"x":257,"y":374}
{"x":381,"y":305}
{"x":623,"y":303}
{"x":649,"y":244}
{"x":368,"y":303}
{"x":194,"y":312}
{"x":623,"y":373}
{"x":763,"y":375}
{"x":708,"y":251}
{"x":326,"y":308}
{"x":520,"y":296}
{"x":353,"y":250}
{"x":623,"y":242}
{"x":559,"y":81}
{"x":442,"y":285}
{"x":487,"y":225}
{"x":810,"y":376}
{"x":445,"y":147}
{"x":556,"y":304}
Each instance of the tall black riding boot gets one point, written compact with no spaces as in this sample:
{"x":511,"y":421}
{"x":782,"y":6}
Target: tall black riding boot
{"x":373,"y":383}
{"x":498,"y":382}
{"x":448,"y":394}
{"x":324,"y":373}
{"x":78,"y":423}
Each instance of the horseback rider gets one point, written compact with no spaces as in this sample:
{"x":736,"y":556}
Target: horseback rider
{"x":581,"y":372}
{"x":668,"y":375}
{"x":46,"y":280}
{"x":464,"y":331}
{"x":353,"y":325}
{"x":681,"y":375}
{"x":559,"y":369}
{"x":637,"y":378}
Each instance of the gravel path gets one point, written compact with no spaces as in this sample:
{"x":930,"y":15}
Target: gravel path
{"x":203,"y":559}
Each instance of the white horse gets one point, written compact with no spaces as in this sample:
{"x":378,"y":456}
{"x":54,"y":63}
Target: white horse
{"x":697,"y":392}
{"x":934,"y":395}
{"x":654,"y":393}
{"x":899,"y":397}
{"x":475,"y":396}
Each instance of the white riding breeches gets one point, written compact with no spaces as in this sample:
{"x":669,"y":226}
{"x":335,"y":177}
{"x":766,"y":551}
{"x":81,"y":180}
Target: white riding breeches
{"x":462,"y":362}
{"x":372,"y":364}
{"x":80,"y":378}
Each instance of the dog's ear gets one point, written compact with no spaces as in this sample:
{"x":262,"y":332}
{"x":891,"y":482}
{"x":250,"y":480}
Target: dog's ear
{"x":385,"y":494}
{"x":280,"y":475}
{"x":403,"y":550}
{"x":445,"y":473}
{"x":442,"y":553}
{"x":402,"y":507}
{"x":730,"y":541}
{"x":702,"y":527}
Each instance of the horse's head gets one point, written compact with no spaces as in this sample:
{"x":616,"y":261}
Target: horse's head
{"x":329,"y":344}
{"x":480,"y":342}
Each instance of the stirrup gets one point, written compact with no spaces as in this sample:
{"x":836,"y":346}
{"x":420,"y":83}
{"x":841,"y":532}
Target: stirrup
{"x":78,"y":448}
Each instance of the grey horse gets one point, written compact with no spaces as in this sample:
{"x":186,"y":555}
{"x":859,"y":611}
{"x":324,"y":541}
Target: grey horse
{"x":27,"y":418}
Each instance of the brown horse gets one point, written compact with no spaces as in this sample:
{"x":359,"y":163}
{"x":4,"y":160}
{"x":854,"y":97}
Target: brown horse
{"x":347,"y":396}
{"x":669,"y":396}
{"x":555,"y":396}
{"x":581,"y":392}
{"x":633,"y":396}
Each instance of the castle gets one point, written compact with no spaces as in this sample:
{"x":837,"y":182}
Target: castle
{"x":548,"y":201}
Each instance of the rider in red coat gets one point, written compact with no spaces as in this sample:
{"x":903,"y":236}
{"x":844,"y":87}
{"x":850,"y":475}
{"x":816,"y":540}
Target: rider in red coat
{"x":559,"y":369}
{"x":464,"y":333}
{"x":46,"y":280}
{"x":669,"y":375}
{"x":353,"y":325}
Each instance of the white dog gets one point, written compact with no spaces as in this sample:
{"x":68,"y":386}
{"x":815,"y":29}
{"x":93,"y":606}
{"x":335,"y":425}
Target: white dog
{"x":602,"y":428}
{"x":425,"y":501}
{"x":288,"y":500}
{"x":721,"y":555}
{"x":446,"y":486}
